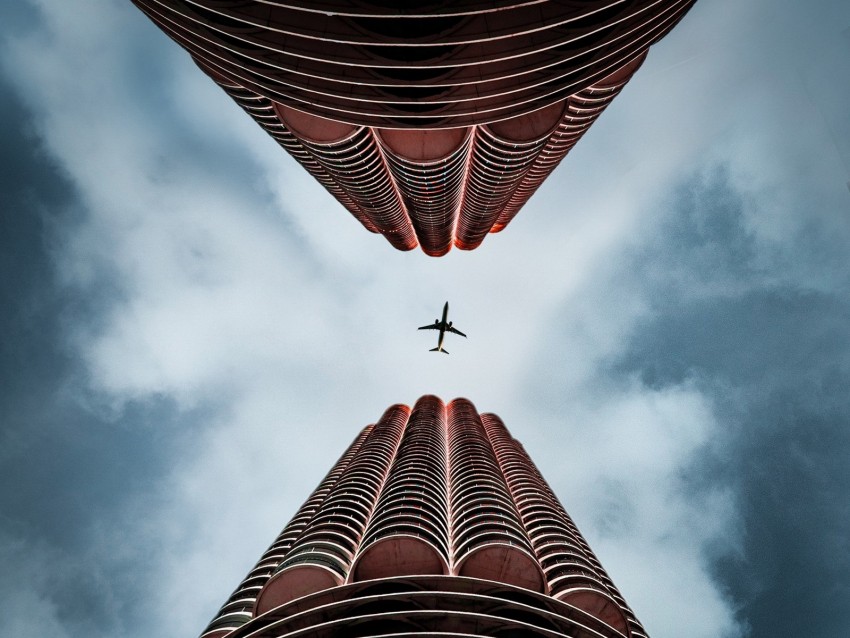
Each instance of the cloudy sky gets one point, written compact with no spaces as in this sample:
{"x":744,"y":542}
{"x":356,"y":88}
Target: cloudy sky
{"x":192,"y":330}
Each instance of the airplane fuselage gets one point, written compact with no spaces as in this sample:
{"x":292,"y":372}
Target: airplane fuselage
{"x":443,"y":325}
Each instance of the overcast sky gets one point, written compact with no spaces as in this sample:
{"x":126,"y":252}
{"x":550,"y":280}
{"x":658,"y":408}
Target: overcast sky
{"x":192,"y":330}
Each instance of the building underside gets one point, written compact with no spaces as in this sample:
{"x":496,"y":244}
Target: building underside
{"x":433,"y":123}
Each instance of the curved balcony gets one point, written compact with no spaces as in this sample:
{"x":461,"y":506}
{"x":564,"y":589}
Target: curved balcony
{"x":422,"y":497}
{"x":297,"y":580}
{"x":503,"y":563}
{"x":410,"y":522}
{"x":599,"y":605}
{"x":404,"y":552}
{"x":427,"y":606}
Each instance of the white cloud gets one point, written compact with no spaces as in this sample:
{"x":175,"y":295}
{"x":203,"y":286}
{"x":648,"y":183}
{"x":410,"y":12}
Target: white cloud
{"x":621,"y":456}
{"x":259,"y":294}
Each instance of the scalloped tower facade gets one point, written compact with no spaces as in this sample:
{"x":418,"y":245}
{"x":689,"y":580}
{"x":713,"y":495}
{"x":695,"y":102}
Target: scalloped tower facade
{"x":434,"y":521}
{"x":431,"y":122}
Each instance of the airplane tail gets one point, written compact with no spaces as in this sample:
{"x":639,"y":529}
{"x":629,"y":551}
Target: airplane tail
{"x":438,"y":350}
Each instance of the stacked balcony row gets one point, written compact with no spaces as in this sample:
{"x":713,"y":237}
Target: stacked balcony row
{"x":409,"y":531}
{"x":239,"y":608}
{"x":433,"y":188}
{"x":573,"y":574}
{"x":322,"y":555}
{"x":488,"y":536}
{"x":582,"y":110}
{"x":443,"y":65}
{"x":439,"y":490}
{"x":264,"y":113}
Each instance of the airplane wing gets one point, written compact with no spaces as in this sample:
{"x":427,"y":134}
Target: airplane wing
{"x":430,"y":326}
{"x":456,"y":331}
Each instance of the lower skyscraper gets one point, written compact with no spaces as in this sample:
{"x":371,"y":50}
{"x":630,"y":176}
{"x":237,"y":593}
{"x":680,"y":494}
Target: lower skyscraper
{"x":434,"y":522}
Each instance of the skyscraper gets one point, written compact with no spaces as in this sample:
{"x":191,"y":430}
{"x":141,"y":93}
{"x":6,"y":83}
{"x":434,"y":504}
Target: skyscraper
{"x":431,"y":122}
{"x":433,"y":522}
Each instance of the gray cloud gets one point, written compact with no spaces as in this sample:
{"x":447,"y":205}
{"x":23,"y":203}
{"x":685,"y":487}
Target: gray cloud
{"x":773,"y":355}
{"x":198,"y":328}
{"x":68,"y":461}
{"x":55,"y":470}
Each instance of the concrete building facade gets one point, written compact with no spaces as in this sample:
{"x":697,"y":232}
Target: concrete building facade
{"x":431,"y":122}
{"x":434,"y":521}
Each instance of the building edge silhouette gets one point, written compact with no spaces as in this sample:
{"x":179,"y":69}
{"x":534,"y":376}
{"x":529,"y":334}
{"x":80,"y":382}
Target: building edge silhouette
{"x":433,"y":521}
{"x":434,"y":127}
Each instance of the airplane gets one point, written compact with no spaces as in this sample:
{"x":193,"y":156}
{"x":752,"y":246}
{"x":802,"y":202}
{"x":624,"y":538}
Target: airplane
{"x":443,"y":327}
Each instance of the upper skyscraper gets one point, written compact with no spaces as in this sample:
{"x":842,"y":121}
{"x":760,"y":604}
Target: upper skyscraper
{"x":434,"y":522}
{"x":432,"y":122}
